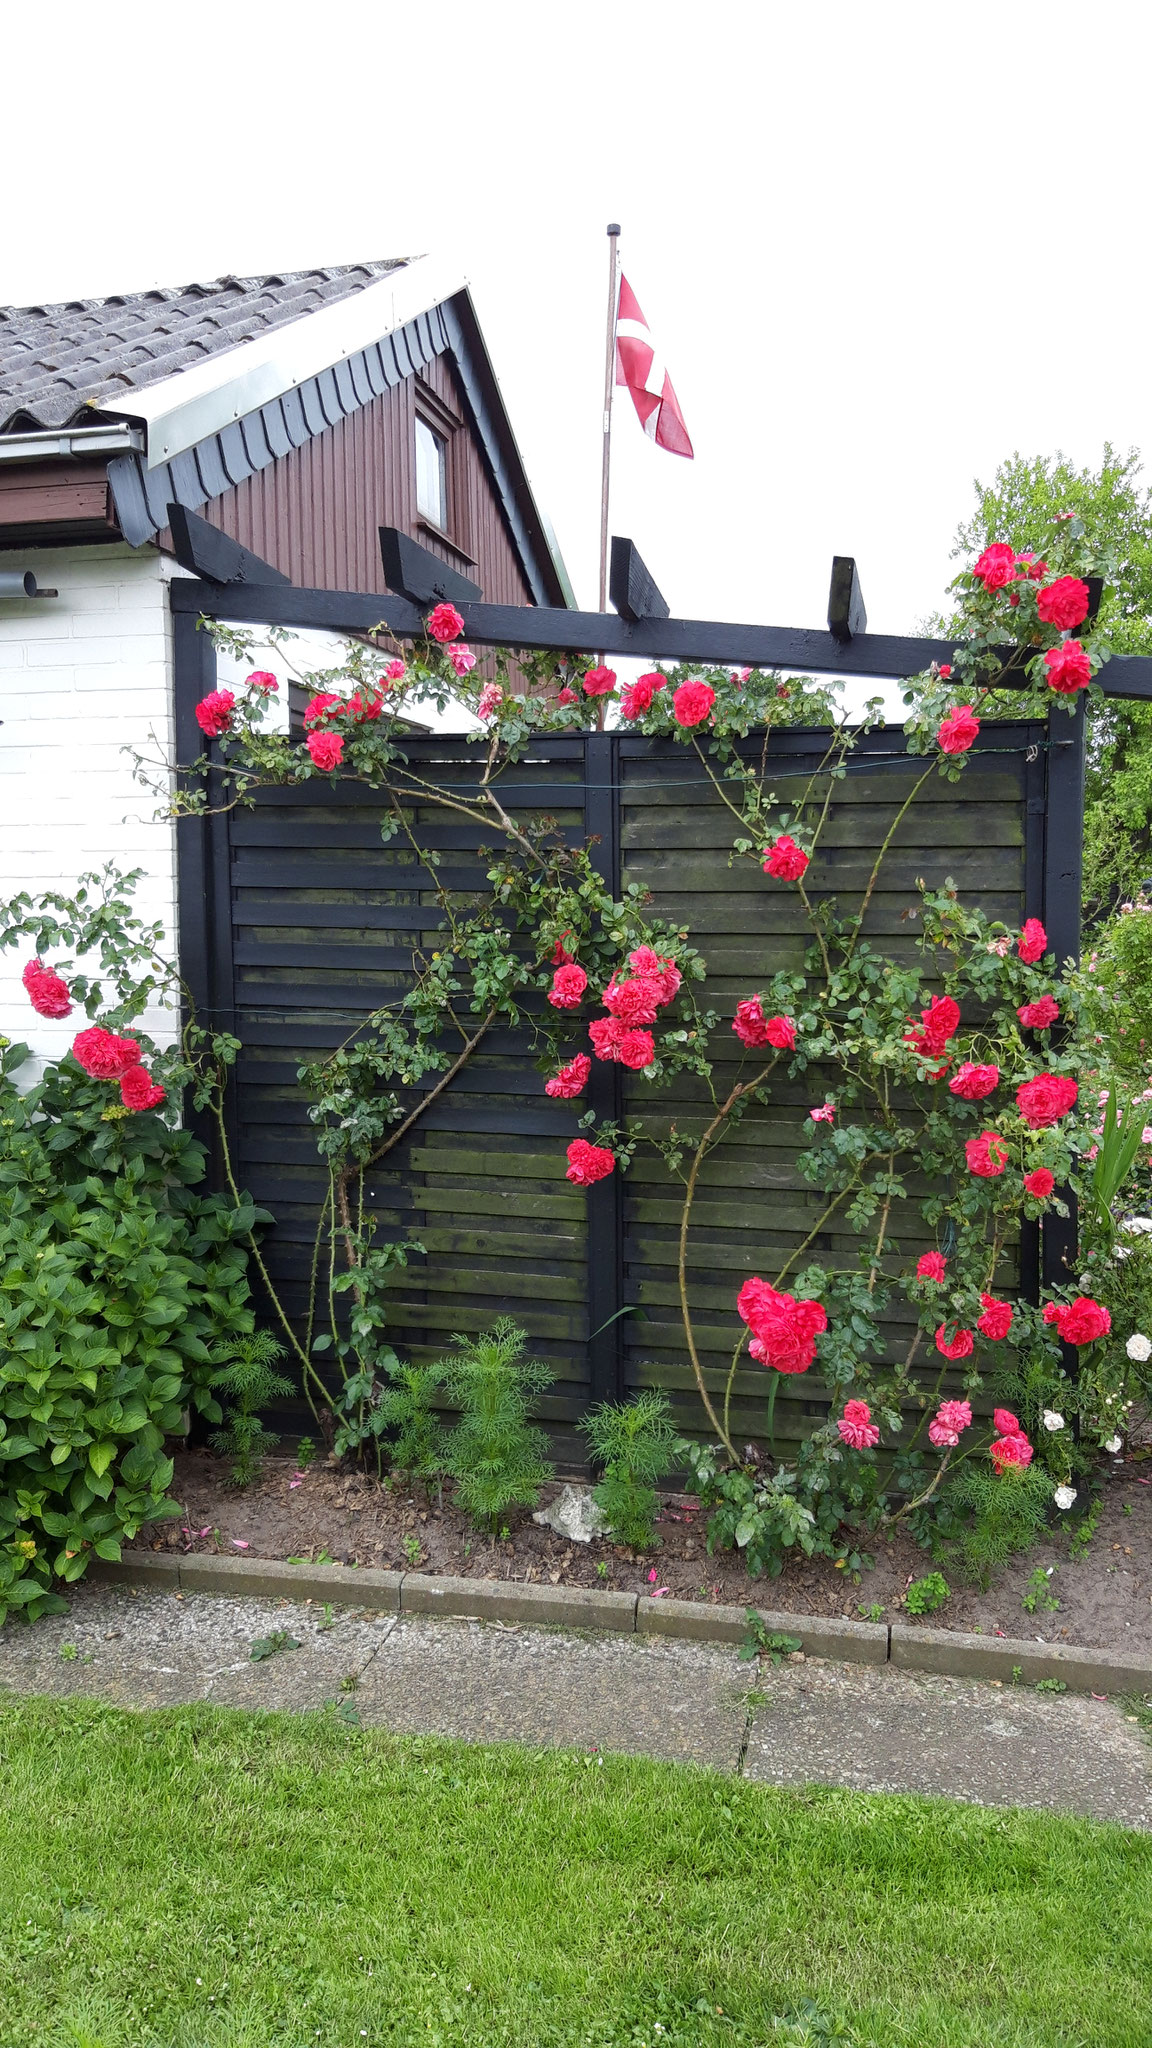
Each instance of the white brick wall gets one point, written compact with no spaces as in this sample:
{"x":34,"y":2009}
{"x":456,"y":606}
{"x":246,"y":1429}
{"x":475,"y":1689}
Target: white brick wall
{"x":81,"y":676}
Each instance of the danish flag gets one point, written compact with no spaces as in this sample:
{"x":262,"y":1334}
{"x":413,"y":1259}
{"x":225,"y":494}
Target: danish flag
{"x":641,"y":368}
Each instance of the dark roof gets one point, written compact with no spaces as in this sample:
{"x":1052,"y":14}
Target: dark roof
{"x":75,"y":363}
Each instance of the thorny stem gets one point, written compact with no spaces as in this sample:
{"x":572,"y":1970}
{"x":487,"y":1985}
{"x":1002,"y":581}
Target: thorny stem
{"x":885,"y":1213}
{"x":917,"y":786}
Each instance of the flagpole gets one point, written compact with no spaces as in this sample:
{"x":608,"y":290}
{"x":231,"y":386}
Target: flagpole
{"x":609,"y":377}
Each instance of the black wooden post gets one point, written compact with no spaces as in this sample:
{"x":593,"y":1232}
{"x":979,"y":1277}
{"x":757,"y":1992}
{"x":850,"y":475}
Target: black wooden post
{"x":1063,"y":881}
{"x":204,"y":896}
{"x":605,"y":1200}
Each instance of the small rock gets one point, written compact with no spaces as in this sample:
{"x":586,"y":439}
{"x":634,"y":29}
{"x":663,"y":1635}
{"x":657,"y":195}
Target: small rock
{"x":573,"y":1514}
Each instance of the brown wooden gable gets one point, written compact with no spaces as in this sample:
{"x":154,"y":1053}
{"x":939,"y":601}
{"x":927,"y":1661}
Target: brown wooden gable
{"x":314,"y":513}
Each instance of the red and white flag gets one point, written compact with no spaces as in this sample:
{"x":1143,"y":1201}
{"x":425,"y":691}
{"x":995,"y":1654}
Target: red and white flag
{"x":640,"y":366}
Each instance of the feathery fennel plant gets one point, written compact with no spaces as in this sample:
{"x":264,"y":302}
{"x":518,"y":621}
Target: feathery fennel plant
{"x":496,"y":1458}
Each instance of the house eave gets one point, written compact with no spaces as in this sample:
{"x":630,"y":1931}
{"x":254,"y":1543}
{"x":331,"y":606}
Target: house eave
{"x":42,"y":444}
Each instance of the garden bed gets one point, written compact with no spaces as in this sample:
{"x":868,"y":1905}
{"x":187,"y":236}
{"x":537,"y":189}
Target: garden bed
{"x":333,"y":1514}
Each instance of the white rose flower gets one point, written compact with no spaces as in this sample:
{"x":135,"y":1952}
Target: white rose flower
{"x":1064,"y":1496}
{"x":1052,"y":1420}
{"x":1139,"y":1347}
{"x":1113,"y":1444}
{"x":1140,"y":1224}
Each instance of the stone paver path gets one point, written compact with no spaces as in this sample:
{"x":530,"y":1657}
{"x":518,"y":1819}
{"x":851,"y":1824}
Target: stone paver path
{"x":870,"y":1728}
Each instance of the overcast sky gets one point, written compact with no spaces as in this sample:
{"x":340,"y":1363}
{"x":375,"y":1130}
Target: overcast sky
{"x":881,"y":247}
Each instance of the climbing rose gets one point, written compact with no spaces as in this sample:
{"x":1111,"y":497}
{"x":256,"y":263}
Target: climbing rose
{"x":572,"y":1079}
{"x":394,"y":670}
{"x":567,"y":696}
{"x":997,"y":566}
{"x":655,"y":967}
{"x":636,"y":1049}
{"x":1046,"y":1099}
{"x":784,"y":1330}
{"x":139,"y":1091}
{"x":606,"y":1033}
{"x":1033,"y":942}
{"x":987,"y":1155}
{"x":972,"y":1084}
{"x":214,"y":713}
{"x":1080,"y":1321}
{"x":962,"y":1345}
{"x":445,"y":623}
{"x":825,"y":1114}
{"x":634,"y":1000}
{"x":781,"y":1033}
{"x":937,"y":1025}
{"x":856,"y":1426}
{"x":945,"y":1427}
{"x":568,"y":986}
{"x":996,"y":1320}
{"x":599,"y":682}
{"x":47,"y":994}
{"x":692,"y":702}
{"x":561,"y":957}
{"x":462,"y":658}
{"x":1040,"y":1183}
{"x":588,"y":1163}
{"x":1069,"y":668}
{"x":1010,"y":1450}
{"x":637,"y":698}
{"x":957,"y":732}
{"x":1005,"y":1423}
{"x":367,"y":704}
{"x":750,"y":1023}
{"x":491,"y":698}
{"x":326,"y":749}
{"x":262,"y":679}
{"x":103,"y":1055}
{"x":784,"y":859}
{"x":1040,"y":1014}
{"x":931,"y":1266}
{"x":1063,"y":603}
{"x":318,"y":708}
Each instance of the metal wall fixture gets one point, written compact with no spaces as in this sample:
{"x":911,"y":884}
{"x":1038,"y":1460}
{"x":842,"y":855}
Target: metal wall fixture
{"x":21,"y":583}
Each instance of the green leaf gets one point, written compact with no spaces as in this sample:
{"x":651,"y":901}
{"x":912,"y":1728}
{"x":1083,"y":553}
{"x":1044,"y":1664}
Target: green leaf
{"x":100,"y":1456}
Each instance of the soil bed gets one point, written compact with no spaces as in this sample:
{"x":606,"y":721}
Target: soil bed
{"x":341,"y":1516}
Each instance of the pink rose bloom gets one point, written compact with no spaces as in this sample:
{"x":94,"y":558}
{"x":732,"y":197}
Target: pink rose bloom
{"x":567,"y":696}
{"x":445,"y":623}
{"x":262,"y":679}
{"x":996,"y":1320}
{"x":955,"y":1416}
{"x":588,"y":1163}
{"x":491,"y":698}
{"x":940,"y":1435}
{"x":599,"y":682}
{"x":103,"y":1055}
{"x":1039,"y":1015}
{"x":634,"y":1000}
{"x":572,"y":1079}
{"x":47,"y":994}
{"x":139,"y":1091}
{"x":395,"y":671}
{"x":1064,"y":603}
{"x":462,"y":659}
{"x":1004,"y":1422}
{"x":1045,"y":1099}
{"x":1069,"y":668}
{"x":636,"y":1049}
{"x":214,"y":713}
{"x":1079,"y":1322}
{"x":606,"y":1033}
{"x":938,"y":1023}
{"x":784,"y":859}
{"x":750,"y":1023}
{"x":653,"y":966}
{"x":997,"y":566}
{"x":857,"y":1428}
{"x":637,"y":698}
{"x":1033,"y":942}
{"x":987,"y":1155}
{"x":956,"y":733}
{"x":972,"y":1084}
{"x":321,"y":707}
{"x":692,"y":702}
{"x":931,"y":1266}
{"x":962,"y":1345}
{"x":1010,"y":1450}
{"x":1040,"y":1183}
{"x":825,"y":1114}
{"x":326,"y":749}
{"x":568,"y":986}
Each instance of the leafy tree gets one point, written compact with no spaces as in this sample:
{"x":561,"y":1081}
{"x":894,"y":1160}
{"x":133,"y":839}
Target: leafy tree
{"x":1024,"y":495}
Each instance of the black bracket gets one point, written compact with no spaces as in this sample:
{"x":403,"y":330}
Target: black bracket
{"x":846,"y":613}
{"x":630,"y":586}
{"x":416,"y":573}
{"x":208,"y":552}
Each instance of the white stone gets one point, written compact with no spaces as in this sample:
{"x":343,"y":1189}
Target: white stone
{"x":573,"y":1514}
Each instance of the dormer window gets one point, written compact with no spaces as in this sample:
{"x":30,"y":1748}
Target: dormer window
{"x":431,"y":475}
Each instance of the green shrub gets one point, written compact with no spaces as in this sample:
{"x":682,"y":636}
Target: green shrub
{"x":1001,"y":1513}
{"x":925,"y":1595}
{"x":635,"y":1441}
{"x":497,"y":1460}
{"x":250,"y":1384}
{"x":116,"y":1280}
{"x":407,"y":1409}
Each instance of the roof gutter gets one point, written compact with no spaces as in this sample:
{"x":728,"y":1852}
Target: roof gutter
{"x":47,"y":442}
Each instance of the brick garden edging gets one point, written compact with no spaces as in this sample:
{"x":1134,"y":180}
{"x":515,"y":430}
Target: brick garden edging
{"x":857,"y":1642}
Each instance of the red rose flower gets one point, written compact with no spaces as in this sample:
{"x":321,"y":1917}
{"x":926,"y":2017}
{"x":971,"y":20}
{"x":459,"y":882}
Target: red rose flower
{"x":367,"y":704}
{"x":931,"y":1266}
{"x":635,"y":1000}
{"x":987,"y":1155}
{"x":445,"y":623}
{"x":567,"y":696}
{"x":1040,"y":1183}
{"x":857,"y":1428}
{"x":326,"y":705}
{"x":784,"y":859}
{"x":571,"y":1080}
{"x":47,"y":994}
{"x":326,"y":749}
{"x":1033,"y":942}
{"x":784,"y":1330}
{"x":637,"y":698}
{"x":606,"y":1033}
{"x":1039,"y":1015}
{"x":1046,"y":1099}
{"x":103,"y":1055}
{"x":658,"y":969}
{"x":568,"y":986}
{"x":1005,"y":1423}
{"x":1010,"y":1450}
{"x":1069,"y":668}
{"x":1063,"y":603}
{"x":750,"y":1023}
{"x":950,"y":1418}
{"x":599,"y":682}
{"x":945,"y":670}
{"x":214,"y":713}
{"x":636,"y":1049}
{"x":962,"y":1345}
{"x":997,"y":566}
{"x":995,"y":1322}
{"x":139,"y":1091}
{"x":692,"y":702}
{"x":262,"y":679}
{"x":1031,"y":567}
{"x":972,"y":1084}
{"x":781,"y":1033}
{"x":938,"y":1023}
{"x":1080,"y":1321}
{"x":588,"y":1163}
{"x":956,"y":733}
{"x":561,"y":957}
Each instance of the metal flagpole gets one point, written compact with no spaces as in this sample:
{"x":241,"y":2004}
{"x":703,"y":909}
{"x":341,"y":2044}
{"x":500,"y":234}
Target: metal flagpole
{"x":609,"y":379}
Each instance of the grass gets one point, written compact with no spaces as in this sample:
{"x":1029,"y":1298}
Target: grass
{"x":213,"y":1879}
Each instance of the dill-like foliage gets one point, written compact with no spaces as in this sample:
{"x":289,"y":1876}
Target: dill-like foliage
{"x":249,"y":1384}
{"x":635,"y":1441}
{"x":496,"y":1458}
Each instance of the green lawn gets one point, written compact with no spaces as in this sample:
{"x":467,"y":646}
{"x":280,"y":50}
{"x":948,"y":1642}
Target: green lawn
{"x":211,"y":1878}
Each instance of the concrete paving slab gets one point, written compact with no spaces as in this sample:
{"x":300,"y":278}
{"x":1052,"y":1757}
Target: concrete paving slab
{"x":485,"y":1683}
{"x":896,"y":1731}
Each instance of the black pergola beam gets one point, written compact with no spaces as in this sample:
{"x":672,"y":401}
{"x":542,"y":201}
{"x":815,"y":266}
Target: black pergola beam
{"x":847,"y":618}
{"x":631,"y":585}
{"x":707,"y":641}
{"x":416,"y":573}
{"x":201,"y":547}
